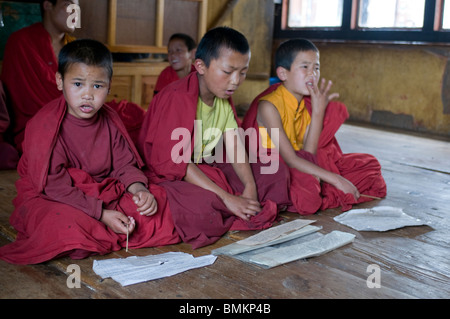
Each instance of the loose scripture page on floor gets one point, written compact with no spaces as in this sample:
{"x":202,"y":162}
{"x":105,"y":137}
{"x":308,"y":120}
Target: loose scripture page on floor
{"x":134,"y":269}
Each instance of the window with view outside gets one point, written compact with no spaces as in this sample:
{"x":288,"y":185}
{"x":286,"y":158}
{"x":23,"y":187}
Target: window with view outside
{"x":396,"y":21}
{"x":315,"y":13}
{"x":391,"y":13}
{"x":446,"y":16}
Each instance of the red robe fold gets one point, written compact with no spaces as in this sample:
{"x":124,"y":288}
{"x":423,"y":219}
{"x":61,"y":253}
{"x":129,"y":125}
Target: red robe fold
{"x":167,"y":76}
{"x":199,"y":215}
{"x":48,"y":229}
{"x":363,"y":170}
{"x":9,"y":157}
{"x":131,"y":115}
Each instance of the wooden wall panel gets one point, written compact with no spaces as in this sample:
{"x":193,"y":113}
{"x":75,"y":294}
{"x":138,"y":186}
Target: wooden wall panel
{"x":180,"y":16}
{"x":135,"y":22}
{"x":254,"y":18}
{"x":148,"y":87}
{"x":141,"y":26}
{"x":94,"y":20}
{"x":121,"y":88}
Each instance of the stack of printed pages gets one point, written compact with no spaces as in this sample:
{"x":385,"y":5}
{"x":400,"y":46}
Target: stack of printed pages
{"x":287,"y":242}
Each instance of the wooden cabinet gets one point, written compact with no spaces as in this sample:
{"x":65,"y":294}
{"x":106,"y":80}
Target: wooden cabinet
{"x":135,"y":81}
{"x":141,"y":26}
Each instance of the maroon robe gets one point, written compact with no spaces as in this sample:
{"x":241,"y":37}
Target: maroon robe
{"x":200,"y":216}
{"x":363,"y":170}
{"x":29,"y":68}
{"x":47,"y":228}
{"x":9,"y":157}
{"x":167,"y":76}
{"x":131,"y":115}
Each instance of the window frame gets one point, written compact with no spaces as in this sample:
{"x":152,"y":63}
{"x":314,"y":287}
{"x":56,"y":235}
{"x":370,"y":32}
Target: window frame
{"x":431,"y":32}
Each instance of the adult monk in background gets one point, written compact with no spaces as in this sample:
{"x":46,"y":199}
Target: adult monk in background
{"x":30,"y":63}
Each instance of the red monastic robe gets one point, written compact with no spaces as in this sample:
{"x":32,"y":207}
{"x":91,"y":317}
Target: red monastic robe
{"x":200,"y":216}
{"x":48,"y":229}
{"x":363,"y":170}
{"x":131,"y":115}
{"x":9,"y":157}
{"x":167,"y":76}
{"x":29,"y":68}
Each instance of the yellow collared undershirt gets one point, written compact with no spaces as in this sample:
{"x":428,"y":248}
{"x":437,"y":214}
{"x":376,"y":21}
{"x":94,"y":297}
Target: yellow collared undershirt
{"x":294,"y":117}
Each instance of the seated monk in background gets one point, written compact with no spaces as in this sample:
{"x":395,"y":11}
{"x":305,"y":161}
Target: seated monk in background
{"x":30,"y":64}
{"x":181,"y":54}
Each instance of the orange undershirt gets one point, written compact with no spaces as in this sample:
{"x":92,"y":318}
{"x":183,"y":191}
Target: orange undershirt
{"x":294,"y":117}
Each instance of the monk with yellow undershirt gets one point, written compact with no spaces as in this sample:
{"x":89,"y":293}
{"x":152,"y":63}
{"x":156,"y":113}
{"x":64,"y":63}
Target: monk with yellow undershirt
{"x":302,"y":110}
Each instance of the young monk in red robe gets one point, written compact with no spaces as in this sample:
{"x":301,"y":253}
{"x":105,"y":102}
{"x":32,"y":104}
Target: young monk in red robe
{"x":301,"y":109}
{"x":181,"y":54}
{"x":30,"y":64}
{"x":80,"y":189}
{"x":181,"y":138}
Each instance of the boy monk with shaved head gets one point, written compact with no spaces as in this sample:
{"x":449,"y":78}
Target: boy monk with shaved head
{"x":302,"y":110}
{"x":81,"y":190}
{"x":187,"y":126}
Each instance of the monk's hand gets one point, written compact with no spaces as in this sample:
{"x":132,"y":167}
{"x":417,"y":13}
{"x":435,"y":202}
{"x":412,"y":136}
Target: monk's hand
{"x":250,"y":192}
{"x":146,"y":203}
{"x":117,"y":221}
{"x":346,"y":186}
{"x":320,"y":95}
{"x":242,"y":207}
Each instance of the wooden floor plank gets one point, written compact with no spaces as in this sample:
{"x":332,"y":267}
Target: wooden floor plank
{"x":414,"y":261}
{"x":402,"y":148}
{"x":7,"y":193}
{"x":36,"y":282}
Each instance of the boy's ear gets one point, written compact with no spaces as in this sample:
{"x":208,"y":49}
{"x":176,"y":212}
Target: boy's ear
{"x":200,"y":66}
{"x":281,"y":73}
{"x":47,"y":5}
{"x":59,"y":81}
